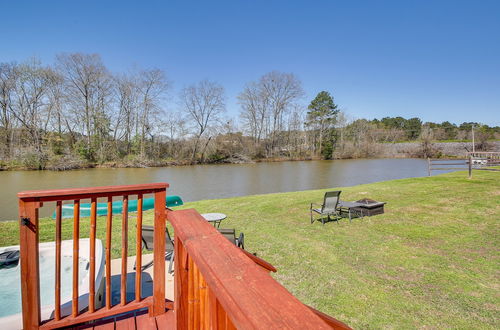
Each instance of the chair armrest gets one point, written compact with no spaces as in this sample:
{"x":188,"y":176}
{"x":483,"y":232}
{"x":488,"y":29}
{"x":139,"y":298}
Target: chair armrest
{"x":312,"y":204}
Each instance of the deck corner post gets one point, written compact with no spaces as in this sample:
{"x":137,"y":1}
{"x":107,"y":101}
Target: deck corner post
{"x":30,"y":281}
{"x":158,"y":307}
{"x":181,"y":285}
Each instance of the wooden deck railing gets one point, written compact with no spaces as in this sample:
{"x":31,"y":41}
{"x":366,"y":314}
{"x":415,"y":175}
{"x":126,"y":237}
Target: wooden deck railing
{"x":217,"y":285}
{"x":29,"y":204}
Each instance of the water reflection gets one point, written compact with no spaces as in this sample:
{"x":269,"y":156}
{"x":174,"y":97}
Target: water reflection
{"x":215,"y":181}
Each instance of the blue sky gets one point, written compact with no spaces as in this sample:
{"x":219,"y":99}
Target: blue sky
{"x":438,"y":60}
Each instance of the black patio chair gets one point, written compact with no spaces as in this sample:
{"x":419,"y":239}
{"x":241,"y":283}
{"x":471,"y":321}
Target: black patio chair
{"x":230,"y":234}
{"x":329,"y":208}
{"x":147,"y":243}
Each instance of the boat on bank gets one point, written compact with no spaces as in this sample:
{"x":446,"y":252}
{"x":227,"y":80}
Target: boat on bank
{"x":117,"y":207}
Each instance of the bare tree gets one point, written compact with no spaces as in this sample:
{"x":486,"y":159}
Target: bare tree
{"x":296,"y":136}
{"x":31,"y":105}
{"x":204,"y":102}
{"x":88,"y":88}
{"x":265,"y":104}
{"x":282,"y":90}
{"x":341,"y":123}
{"x":8,"y":79}
{"x":152,"y":87}
{"x":127,"y":98}
{"x":175,"y":126}
{"x":254,"y":110}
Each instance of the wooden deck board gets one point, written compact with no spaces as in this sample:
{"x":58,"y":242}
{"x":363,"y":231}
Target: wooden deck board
{"x":166,"y":321}
{"x":133,"y":321}
{"x":110,"y":325}
{"x":126,"y":323}
{"x":144,"y":321}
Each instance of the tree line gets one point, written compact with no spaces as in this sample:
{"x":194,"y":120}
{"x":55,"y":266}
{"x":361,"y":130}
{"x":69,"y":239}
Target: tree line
{"x":76,"y":113}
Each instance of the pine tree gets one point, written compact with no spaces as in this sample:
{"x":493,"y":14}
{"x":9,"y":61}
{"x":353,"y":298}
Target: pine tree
{"x":321,"y":116}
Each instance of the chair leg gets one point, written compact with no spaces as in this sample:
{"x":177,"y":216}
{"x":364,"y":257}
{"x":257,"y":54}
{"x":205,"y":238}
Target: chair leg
{"x":312,"y":219}
{"x":146,"y":266}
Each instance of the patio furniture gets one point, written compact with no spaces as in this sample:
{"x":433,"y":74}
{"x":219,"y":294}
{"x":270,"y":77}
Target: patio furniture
{"x":230,"y":234}
{"x":214,"y":218}
{"x":370,"y":207}
{"x":350,"y":208}
{"x":147,"y":243}
{"x":362,"y":208}
{"x":329,"y":208}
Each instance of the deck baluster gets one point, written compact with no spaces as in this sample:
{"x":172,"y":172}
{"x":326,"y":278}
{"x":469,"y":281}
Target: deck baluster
{"x":76,"y":238}
{"x":123,"y":288}
{"x":93,"y":218}
{"x":138,"y":250}
{"x":57,"y":301}
{"x":109,"y":221}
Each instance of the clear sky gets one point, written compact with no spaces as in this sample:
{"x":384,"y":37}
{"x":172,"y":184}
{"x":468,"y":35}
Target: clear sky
{"x":438,"y":60}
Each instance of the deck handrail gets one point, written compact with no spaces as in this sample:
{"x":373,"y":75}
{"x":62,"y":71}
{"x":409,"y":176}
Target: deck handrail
{"x":29,"y":204}
{"x":218,"y":286}
{"x":103,"y":191}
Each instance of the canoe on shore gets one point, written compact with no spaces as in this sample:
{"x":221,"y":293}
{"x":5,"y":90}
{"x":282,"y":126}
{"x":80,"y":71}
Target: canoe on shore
{"x":117,"y":207}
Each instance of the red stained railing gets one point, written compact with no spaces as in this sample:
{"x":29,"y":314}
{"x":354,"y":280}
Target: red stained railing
{"x":29,"y":204}
{"x":217,"y":285}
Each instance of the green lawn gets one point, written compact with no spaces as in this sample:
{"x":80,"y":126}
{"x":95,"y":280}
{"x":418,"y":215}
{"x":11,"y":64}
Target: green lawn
{"x":431,"y":261}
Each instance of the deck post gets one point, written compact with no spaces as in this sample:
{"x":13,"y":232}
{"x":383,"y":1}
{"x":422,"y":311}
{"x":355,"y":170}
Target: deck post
{"x":159,"y":254}
{"x":30,"y":281}
{"x":428,"y":166}
{"x":181,"y":287}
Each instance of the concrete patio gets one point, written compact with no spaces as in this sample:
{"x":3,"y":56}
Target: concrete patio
{"x":146,"y":280}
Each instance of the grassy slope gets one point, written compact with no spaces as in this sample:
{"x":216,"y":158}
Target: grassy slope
{"x":431,"y":261}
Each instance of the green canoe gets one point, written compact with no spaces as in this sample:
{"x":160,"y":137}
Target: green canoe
{"x":117,"y":206}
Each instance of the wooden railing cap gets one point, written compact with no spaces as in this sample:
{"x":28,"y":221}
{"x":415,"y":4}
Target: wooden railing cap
{"x":250,"y":296}
{"x":92,"y":190}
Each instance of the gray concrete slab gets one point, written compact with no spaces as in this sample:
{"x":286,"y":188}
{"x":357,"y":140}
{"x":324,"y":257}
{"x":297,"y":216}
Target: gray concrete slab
{"x":147,"y":278}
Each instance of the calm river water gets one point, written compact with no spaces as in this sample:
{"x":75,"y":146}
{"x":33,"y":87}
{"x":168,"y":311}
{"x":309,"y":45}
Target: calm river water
{"x":199,"y":182}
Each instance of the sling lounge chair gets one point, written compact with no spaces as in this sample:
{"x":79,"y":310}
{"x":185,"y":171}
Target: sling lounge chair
{"x":230,"y":234}
{"x":329,"y":209}
{"x":147,"y":243}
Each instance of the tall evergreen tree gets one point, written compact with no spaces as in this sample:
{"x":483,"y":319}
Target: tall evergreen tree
{"x":321,"y":116}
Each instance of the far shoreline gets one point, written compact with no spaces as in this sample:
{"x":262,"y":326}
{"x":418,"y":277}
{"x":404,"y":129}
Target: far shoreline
{"x":397,"y":150}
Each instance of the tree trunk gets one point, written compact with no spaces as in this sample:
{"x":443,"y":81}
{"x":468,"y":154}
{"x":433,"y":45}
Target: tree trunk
{"x":202,"y":159}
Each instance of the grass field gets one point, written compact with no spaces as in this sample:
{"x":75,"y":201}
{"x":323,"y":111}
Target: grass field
{"x":431,"y":261}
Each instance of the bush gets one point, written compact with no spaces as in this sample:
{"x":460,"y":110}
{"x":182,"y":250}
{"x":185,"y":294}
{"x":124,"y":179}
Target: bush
{"x":84,"y":151}
{"x":218,"y":156}
{"x":66,"y":162}
{"x":34,"y":160}
{"x":327,"y":150}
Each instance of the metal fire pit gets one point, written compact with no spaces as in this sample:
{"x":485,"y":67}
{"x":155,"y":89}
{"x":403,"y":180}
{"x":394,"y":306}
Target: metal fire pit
{"x":369,"y":207}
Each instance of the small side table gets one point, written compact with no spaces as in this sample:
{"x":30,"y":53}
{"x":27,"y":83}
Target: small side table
{"x":351,"y":207}
{"x":214,"y":218}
